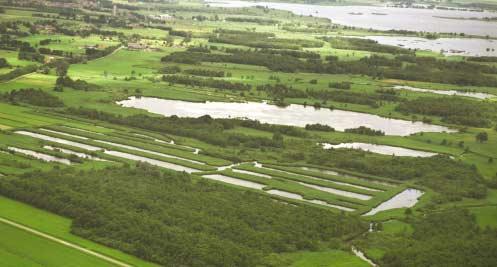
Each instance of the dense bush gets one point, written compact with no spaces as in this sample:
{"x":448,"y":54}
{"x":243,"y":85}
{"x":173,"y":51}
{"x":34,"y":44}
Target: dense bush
{"x":172,"y":220}
{"x":448,"y":238}
{"x":452,"y":110}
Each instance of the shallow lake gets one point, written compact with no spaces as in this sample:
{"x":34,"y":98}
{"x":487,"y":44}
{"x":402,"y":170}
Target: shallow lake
{"x":448,"y":46}
{"x":382,"y":149}
{"x":413,"y":19}
{"x":445,"y":92}
{"x":405,"y":199}
{"x":293,"y":115}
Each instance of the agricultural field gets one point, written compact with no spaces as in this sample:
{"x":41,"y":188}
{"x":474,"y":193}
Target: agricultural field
{"x":195,"y":133}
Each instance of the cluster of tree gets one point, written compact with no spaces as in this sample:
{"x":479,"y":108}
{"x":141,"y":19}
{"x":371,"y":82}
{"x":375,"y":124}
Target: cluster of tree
{"x":445,"y":238}
{"x":319,"y":127}
{"x":92,"y":53}
{"x":4,"y":63}
{"x":262,"y":21}
{"x":170,"y":70}
{"x":205,"y":72}
{"x":364,"y":45}
{"x":365,"y":131}
{"x":45,"y":41}
{"x":8,"y":42}
{"x":340,"y":85}
{"x":482,"y":59}
{"x":48,"y":51}
{"x":293,"y":53}
{"x":179,"y":33}
{"x":37,"y":57}
{"x":452,"y":179}
{"x":18,"y":72}
{"x":168,"y":218}
{"x":210,"y":82}
{"x":35,"y":97}
{"x":27,"y":52}
{"x":452,"y":110}
{"x":350,"y":97}
{"x":66,"y":81}
{"x":281,"y":91}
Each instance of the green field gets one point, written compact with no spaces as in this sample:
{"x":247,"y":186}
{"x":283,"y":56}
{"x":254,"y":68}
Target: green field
{"x":19,"y":248}
{"x":65,"y":65}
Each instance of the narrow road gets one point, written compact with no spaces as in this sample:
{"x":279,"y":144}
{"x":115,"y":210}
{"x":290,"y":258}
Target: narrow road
{"x":65,"y":243}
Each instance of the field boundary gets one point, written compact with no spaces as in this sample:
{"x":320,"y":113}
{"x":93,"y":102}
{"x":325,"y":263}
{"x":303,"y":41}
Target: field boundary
{"x":65,"y":243}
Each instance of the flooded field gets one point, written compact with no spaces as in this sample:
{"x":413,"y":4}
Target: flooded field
{"x":40,"y":156}
{"x":337,"y":191}
{"x":282,"y":193}
{"x":344,"y":175}
{"x":59,"y":140}
{"x":381,"y":149}
{"x":234,"y":181}
{"x":148,"y":151}
{"x":70,"y":152}
{"x":155,"y":162}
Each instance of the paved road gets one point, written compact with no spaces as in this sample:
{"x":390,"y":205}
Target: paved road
{"x":65,"y":243}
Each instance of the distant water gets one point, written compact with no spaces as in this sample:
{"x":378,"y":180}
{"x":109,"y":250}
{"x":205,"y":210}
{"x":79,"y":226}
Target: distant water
{"x":412,"y":19}
{"x":445,"y":92}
